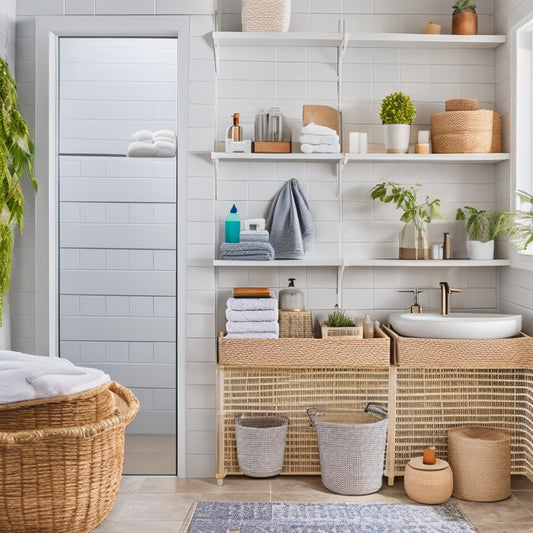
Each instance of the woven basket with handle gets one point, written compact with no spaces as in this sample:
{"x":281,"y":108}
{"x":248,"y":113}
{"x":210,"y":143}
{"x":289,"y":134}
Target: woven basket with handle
{"x":63,"y":480}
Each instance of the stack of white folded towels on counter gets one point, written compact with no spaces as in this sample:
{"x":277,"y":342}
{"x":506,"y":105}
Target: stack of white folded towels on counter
{"x":319,"y":139}
{"x":146,"y":143}
{"x":252,"y":318}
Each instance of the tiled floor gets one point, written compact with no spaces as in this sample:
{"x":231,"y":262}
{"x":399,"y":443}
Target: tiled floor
{"x":160,"y":504}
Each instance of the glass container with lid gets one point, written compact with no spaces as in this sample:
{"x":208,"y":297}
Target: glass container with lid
{"x":291,"y":298}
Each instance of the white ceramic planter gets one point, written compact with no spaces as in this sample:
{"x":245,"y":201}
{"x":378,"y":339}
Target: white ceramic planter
{"x":266,"y":15}
{"x":396,"y":138}
{"x":479,"y":251}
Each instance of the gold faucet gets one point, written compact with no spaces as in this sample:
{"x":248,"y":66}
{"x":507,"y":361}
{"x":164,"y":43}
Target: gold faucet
{"x":445,"y":292}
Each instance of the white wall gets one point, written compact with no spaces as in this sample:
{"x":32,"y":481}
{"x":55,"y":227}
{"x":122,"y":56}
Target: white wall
{"x":290,"y":78}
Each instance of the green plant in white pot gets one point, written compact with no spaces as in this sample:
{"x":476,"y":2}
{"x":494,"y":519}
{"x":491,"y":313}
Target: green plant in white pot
{"x":397,"y":114}
{"x":417,"y":213}
{"x":16,"y":161}
{"x":482,"y":227}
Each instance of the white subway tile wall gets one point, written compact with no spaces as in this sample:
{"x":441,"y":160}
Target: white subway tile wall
{"x":250,"y":80}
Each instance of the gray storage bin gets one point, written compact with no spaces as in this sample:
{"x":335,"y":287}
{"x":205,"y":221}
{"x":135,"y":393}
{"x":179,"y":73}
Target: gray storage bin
{"x":352,"y":449}
{"x":261,"y":443}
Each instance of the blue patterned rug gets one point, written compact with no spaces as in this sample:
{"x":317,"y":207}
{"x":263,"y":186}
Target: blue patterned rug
{"x":275,"y":517}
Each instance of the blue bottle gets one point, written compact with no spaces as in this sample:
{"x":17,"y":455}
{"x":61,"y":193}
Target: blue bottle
{"x":232,"y":226}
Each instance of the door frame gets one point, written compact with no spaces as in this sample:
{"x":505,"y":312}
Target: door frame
{"x":48,"y":32}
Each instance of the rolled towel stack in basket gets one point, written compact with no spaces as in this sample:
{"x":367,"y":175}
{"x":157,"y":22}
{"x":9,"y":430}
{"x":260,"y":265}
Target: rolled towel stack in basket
{"x":252,"y":318}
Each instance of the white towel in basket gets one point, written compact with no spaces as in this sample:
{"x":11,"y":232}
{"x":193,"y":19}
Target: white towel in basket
{"x":29,"y":377}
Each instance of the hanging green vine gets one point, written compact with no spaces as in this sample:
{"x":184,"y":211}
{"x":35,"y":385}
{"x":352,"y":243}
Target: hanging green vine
{"x":16,"y":157}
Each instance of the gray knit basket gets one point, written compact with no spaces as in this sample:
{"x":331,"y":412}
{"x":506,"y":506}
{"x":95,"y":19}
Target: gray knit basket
{"x":261,"y":444}
{"x":352,"y":450}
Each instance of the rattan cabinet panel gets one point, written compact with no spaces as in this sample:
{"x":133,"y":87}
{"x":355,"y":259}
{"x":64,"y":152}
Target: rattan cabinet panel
{"x":291,"y":391}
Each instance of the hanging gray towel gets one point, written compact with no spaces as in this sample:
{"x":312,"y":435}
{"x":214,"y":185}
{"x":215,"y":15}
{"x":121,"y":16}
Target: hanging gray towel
{"x":289,"y":222}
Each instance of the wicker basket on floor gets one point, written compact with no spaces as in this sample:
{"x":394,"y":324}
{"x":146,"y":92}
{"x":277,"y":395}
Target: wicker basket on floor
{"x":59,"y":411}
{"x":63,"y":480}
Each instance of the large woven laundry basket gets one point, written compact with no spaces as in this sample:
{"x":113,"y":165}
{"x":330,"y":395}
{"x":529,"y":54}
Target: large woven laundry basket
{"x":63,"y":480}
{"x":352,"y":450}
{"x":266,"y":15}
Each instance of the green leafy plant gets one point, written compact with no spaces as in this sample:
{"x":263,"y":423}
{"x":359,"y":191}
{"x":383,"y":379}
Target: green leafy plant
{"x":521,"y":232}
{"x":482,"y":225}
{"x":397,"y":108}
{"x":338,"y":319}
{"x":406,"y":199}
{"x":16,"y":157}
{"x":463,"y":5}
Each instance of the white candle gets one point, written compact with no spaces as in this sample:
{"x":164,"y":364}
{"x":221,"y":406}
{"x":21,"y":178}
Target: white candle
{"x":354,"y":142}
{"x":363,"y":143}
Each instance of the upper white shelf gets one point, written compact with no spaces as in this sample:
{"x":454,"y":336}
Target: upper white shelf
{"x":365,"y":263}
{"x":361,"y":40}
{"x":380,"y":157}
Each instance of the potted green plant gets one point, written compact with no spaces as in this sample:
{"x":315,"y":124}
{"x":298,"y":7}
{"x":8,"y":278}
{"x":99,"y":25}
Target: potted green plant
{"x":413,"y":240}
{"x":521,"y":231}
{"x":482,"y":227}
{"x":464,"y":18}
{"x":16,"y":157}
{"x":339,"y":324}
{"x":397,"y":114}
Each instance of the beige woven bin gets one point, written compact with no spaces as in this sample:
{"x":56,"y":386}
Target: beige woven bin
{"x":63,"y":480}
{"x":429,"y":484}
{"x":462,"y":131}
{"x":295,"y":324}
{"x":480,"y":458}
{"x":461,"y":104}
{"x":266,"y":15}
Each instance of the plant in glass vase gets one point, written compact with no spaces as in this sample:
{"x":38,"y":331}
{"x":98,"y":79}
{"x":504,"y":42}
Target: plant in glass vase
{"x":413,"y":240}
{"x":397,"y":114}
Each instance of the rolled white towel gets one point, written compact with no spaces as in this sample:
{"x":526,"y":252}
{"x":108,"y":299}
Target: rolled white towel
{"x":248,"y":304}
{"x":164,"y":149}
{"x":320,"y":148}
{"x":316,"y":129}
{"x":309,"y":138}
{"x":258,"y":315}
{"x":141,"y":149}
{"x":143,"y":135}
{"x":166,"y":134}
{"x":254,"y":335}
{"x":27,"y":377}
{"x":252,"y":327}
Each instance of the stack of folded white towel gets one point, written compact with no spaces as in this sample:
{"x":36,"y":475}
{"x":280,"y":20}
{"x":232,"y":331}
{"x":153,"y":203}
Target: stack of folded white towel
{"x":319,"y":139}
{"x":146,"y":143}
{"x":252,"y":318}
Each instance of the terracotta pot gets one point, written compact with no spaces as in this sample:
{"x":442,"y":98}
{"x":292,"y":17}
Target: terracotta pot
{"x":464,"y":23}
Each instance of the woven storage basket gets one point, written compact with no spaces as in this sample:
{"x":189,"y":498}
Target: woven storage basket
{"x":59,"y":411}
{"x":63,"y":480}
{"x":461,"y":104}
{"x":352,"y":451}
{"x":480,"y":458}
{"x":266,"y":15}
{"x":429,"y":484}
{"x":295,"y":324}
{"x":462,"y":131}
{"x":261,"y":444}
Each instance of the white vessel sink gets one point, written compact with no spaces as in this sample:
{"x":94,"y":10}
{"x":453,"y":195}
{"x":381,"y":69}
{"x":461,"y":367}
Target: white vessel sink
{"x":456,"y":325}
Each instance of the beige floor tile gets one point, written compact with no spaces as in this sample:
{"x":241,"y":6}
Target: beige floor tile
{"x":236,"y":497}
{"x":163,"y":507}
{"x":504,"y":512}
{"x":515,"y":527}
{"x":129,"y":484}
{"x":521,"y":483}
{"x":139,"y":526}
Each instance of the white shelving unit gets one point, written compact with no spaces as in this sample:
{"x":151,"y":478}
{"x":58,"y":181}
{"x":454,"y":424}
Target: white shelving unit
{"x":364,"y":263}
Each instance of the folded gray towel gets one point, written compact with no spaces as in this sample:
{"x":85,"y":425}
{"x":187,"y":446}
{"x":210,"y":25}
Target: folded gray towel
{"x":289,"y":222}
{"x":259,"y":235}
{"x":247,"y":251}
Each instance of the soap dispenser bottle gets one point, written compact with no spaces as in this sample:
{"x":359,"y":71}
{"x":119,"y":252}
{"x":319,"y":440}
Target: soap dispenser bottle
{"x":232,"y":226}
{"x":291,"y":298}
{"x":235,"y":131}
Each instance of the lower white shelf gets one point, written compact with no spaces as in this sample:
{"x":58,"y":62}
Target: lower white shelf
{"x":365,"y":263}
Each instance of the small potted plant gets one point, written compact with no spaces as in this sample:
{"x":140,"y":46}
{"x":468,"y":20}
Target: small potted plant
{"x":413,"y":241}
{"x":338,"y":324}
{"x":397,"y":114}
{"x":464,"y":18}
{"x":521,"y":231}
{"x":482,"y":227}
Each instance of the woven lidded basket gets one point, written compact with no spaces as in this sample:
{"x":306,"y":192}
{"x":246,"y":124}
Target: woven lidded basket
{"x":59,"y":411}
{"x":266,"y":15}
{"x":461,"y":104}
{"x":352,"y":450}
{"x":295,"y":324}
{"x":480,"y":458}
{"x":63,"y":480}
{"x":462,"y":131}
{"x":261,"y":444}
